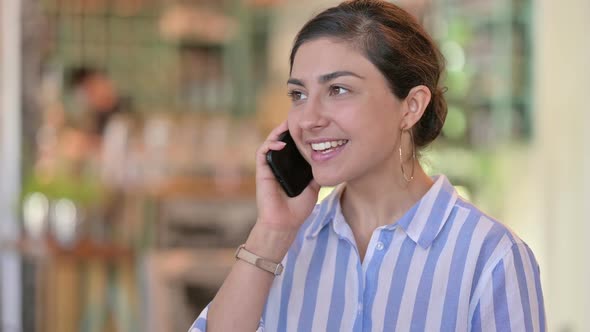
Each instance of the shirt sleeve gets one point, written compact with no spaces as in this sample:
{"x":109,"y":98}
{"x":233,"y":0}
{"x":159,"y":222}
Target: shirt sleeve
{"x":512,"y":299}
{"x":200,"y":324}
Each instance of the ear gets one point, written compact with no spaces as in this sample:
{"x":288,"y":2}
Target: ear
{"x":414,"y":106}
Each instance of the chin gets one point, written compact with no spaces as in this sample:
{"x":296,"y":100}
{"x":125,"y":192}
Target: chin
{"x":327,"y":181}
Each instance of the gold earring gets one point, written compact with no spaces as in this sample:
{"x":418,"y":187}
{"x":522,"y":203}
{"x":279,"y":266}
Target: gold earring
{"x":401,"y":159}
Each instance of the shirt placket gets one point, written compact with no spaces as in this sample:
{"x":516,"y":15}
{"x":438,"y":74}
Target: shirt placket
{"x":368,"y":279}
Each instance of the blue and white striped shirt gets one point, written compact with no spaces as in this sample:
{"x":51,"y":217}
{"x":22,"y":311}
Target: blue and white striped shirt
{"x":444,"y":266}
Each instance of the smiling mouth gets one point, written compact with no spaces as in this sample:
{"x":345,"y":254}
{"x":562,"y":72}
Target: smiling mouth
{"x":325,"y":147}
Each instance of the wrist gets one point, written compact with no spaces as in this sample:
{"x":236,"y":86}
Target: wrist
{"x":276,"y":268}
{"x":270,"y":243}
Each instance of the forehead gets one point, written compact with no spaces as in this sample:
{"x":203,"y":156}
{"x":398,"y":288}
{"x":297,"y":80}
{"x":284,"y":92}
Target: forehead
{"x":323,"y":55}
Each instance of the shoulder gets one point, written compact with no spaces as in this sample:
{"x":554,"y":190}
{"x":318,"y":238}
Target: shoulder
{"x":493,"y":234}
{"x":505,"y":268}
{"x":493,"y":242}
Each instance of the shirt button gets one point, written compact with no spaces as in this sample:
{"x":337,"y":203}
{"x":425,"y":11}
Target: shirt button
{"x":379,"y":246}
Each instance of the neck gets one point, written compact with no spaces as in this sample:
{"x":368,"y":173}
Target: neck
{"x":380,"y":200}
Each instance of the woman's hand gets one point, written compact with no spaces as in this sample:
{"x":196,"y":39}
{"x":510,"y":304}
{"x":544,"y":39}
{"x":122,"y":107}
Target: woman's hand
{"x":245,"y":290}
{"x":276,"y":210}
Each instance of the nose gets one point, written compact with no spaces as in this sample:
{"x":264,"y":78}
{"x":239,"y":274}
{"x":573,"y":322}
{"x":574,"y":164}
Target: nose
{"x":313,"y":115}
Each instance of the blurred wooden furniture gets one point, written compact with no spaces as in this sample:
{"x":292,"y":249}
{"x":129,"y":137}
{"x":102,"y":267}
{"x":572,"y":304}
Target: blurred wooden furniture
{"x":90,"y":287}
{"x":159,"y":283}
{"x":183,"y":281}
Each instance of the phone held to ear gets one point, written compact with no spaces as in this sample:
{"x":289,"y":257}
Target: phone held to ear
{"x":289,"y":167}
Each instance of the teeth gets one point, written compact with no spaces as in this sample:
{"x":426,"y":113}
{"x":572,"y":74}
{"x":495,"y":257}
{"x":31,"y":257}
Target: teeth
{"x":327,"y":145}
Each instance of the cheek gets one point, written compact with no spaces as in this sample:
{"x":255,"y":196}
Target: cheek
{"x":387,"y":112}
{"x":291,"y":116}
{"x":296,"y":133}
{"x":293,"y":124}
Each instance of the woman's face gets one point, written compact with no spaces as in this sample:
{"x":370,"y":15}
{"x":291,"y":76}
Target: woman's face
{"x":344,"y":117}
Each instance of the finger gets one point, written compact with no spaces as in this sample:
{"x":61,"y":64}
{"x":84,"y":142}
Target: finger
{"x":272,"y":141}
{"x":265,"y":147}
{"x":270,"y":145}
{"x":276,"y":145}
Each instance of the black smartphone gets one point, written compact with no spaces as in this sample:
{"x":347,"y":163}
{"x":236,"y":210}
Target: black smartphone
{"x":289,"y":167}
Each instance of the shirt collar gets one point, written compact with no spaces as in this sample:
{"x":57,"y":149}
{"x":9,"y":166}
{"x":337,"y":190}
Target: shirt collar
{"x":325,"y":211}
{"x":422,"y":223}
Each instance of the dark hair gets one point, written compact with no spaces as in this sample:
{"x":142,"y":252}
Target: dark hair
{"x":76,"y":76}
{"x":396,"y":44}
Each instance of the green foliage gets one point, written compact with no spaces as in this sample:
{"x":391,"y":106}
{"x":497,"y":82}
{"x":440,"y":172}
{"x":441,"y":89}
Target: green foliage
{"x":83,"y":190}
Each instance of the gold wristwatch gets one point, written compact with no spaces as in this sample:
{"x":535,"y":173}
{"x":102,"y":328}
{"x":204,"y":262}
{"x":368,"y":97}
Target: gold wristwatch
{"x":262,"y":263}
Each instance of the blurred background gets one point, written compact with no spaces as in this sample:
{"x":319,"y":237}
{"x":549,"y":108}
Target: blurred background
{"x":128,"y":130}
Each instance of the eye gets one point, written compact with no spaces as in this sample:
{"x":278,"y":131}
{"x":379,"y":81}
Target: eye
{"x":296,"y":95}
{"x":338,"y":90}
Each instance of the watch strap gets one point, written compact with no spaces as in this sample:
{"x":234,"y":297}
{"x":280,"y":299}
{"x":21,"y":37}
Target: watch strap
{"x":265,"y":264}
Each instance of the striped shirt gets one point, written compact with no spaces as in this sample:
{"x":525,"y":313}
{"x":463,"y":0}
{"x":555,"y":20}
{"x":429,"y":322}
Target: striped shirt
{"x":444,"y":266}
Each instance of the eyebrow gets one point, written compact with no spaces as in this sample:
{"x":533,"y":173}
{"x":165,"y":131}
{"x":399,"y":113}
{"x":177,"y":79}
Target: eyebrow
{"x":326,"y":77}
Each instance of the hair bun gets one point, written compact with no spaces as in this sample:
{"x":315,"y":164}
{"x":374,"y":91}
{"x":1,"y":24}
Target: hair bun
{"x":433,"y":119}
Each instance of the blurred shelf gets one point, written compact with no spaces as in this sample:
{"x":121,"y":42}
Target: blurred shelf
{"x":82,"y":250}
{"x":204,"y":187}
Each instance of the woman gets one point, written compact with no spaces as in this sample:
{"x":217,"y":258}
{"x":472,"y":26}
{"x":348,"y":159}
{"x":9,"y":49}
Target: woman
{"x":390,"y":249}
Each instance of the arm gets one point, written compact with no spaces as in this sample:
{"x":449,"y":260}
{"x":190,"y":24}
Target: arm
{"x":512,"y":299}
{"x":240,"y":301}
